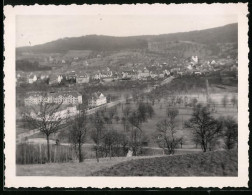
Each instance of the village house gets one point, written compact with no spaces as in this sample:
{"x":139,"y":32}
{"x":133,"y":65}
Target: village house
{"x":82,"y":78}
{"x":68,"y":97}
{"x":53,"y":79}
{"x":166,"y":72}
{"x":195,"y":59}
{"x":127,"y":74}
{"x":143,"y":73}
{"x":71,"y":76}
{"x":68,"y":112}
{"x":60,"y":78}
{"x":104,"y":74}
{"x":32,"y":79}
{"x":97,"y":99}
{"x":96,"y":75}
{"x":42,"y":77}
{"x":154,"y":74}
{"x":21,"y":81}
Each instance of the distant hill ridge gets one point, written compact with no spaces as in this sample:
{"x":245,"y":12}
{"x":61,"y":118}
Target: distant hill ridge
{"x":223,"y":34}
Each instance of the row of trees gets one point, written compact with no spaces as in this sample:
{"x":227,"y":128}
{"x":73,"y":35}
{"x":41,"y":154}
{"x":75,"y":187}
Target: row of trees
{"x":107,"y":141}
{"x":206,"y":130}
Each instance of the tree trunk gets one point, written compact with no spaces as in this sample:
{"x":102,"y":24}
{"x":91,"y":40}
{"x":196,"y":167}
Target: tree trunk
{"x":80,"y":154}
{"x":204,"y":147}
{"x":48,"y":149}
{"x":96,"y":154}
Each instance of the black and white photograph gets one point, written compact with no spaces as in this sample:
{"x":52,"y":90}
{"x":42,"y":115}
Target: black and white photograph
{"x":127,"y":91}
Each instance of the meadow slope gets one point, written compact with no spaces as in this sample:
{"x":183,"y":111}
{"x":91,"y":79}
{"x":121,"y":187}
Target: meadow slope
{"x":216,"y":163}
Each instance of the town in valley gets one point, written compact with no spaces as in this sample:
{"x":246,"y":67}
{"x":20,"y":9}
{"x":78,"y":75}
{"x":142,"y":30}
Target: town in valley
{"x":110,"y":105}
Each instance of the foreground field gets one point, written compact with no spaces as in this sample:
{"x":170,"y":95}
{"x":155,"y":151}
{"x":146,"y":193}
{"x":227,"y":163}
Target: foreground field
{"x":85,"y":168}
{"x":218,"y":163}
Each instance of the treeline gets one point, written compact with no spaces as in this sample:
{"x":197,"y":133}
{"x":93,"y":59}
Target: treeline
{"x":107,"y":141}
{"x":25,"y":65}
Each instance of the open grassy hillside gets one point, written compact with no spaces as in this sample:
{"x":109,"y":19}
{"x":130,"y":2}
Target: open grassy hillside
{"x":217,"y":163}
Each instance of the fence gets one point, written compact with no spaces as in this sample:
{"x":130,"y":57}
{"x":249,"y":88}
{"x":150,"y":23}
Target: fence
{"x":37,"y":153}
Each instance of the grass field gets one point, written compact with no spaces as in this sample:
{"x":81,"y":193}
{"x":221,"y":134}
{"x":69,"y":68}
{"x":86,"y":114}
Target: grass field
{"x":217,"y":163}
{"x":85,"y":168}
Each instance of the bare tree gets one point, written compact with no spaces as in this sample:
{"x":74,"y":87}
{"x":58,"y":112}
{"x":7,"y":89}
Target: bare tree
{"x":230,"y":132}
{"x":224,"y":101}
{"x":78,"y":132}
{"x":97,"y":133}
{"x":126,"y":111}
{"x":117,"y":118}
{"x":111,"y":138}
{"x":205,"y":127}
{"x":112,"y":113}
{"x":48,"y":119}
{"x":166,"y":131}
{"x":150,"y":110}
{"x":136,"y":132}
{"x":234,"y":101}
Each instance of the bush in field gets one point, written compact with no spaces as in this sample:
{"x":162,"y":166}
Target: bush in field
{"x":230,"y":132}
{"x":204,"y":126}
{"x":194,"y":102}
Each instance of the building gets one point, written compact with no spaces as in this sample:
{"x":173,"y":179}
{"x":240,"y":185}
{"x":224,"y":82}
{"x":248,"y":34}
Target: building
{"x":53,"y":79}
{"x":195,"y":59}
{"x":127,"y":74}
{"x":68,"y":112}
{"x":21,"y":80}
{"x":105,"y":74}
{"x":32,"y":79}
{"x":83,"y":78}
{"x":67,"y":97}
{"x":71,"y":76}
{"x":143,"y":73}
{"x":97,"y":99}
{"x":60,"y":78}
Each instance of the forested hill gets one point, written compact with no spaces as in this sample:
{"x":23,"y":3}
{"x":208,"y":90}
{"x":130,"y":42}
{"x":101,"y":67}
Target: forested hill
{"x":223,"y":34}
{"x":227,"y":33}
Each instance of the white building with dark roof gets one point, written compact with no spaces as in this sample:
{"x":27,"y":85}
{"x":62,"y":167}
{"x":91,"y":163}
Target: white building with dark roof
{"x":97,"y":99}
{"x":82,"y":78}
{"x":64,"y":97}
{"x":32,"y":79}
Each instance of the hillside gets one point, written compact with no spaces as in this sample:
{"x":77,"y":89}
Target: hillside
{"x":217,"y":163}
{"x":224,"y":34}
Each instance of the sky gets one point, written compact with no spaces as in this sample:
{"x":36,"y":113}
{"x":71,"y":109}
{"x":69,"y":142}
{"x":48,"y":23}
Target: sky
{"x":39,"y":29}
